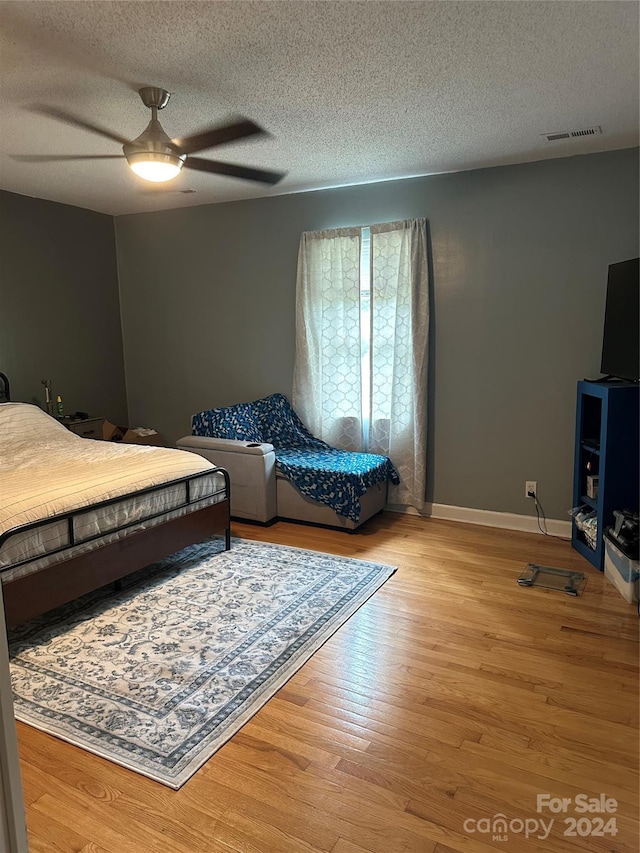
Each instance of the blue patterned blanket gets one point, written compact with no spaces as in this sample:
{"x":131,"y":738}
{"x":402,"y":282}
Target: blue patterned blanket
{"x":337,"y":478}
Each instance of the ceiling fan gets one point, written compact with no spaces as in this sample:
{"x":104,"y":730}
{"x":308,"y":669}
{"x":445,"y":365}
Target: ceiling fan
{"x":154,"y":156}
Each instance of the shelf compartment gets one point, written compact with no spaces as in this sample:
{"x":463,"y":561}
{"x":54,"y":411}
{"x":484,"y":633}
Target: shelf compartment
{"x":592,"y":502}
{"x":606,"y":440}
{"x":590,"y":448}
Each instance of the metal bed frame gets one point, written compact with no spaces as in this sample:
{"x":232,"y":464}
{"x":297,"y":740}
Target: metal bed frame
{"x":36,"y":593}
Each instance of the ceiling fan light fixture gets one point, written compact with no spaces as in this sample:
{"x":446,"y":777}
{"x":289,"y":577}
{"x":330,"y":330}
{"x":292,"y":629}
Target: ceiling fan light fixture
{"x":156,"y":167}
{"x":153,"y":156}
{"x":157,"y":158}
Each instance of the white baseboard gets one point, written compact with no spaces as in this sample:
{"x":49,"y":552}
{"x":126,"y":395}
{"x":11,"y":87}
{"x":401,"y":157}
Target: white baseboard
{"x":488,"y":518}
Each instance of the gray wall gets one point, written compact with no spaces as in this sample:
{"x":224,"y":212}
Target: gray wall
{"x":59,"y":306}
{"x":520,"y":258}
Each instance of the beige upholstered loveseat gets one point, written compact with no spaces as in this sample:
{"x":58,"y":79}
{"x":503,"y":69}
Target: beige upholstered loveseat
{"x":259,"y":493}
{"x":279,"y":469}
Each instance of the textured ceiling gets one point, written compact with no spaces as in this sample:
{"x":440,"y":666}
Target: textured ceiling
{"x":350,"y":91}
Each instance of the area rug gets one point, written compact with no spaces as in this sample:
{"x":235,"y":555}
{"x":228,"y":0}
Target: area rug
{"x":158,"y":676}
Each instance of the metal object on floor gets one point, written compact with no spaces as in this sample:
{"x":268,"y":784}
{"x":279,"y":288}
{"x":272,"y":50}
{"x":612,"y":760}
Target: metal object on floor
{"x":549,"y":577}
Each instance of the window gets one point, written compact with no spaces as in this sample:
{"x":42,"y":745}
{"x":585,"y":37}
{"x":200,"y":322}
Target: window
{"x":362,"y":317}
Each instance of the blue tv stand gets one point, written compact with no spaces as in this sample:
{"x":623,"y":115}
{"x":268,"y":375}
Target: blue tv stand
{"x":607,"y":440}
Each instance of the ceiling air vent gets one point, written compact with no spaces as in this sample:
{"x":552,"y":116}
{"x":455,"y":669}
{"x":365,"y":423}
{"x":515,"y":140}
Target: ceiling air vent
{"x":596,"y":130}
{"x":588,"y":131}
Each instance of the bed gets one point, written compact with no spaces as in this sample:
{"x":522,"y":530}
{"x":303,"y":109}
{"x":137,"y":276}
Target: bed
{"x":76,"y":514}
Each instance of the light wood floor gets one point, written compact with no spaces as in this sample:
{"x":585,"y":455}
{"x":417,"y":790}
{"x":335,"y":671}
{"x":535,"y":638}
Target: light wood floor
{"x":451,"y":696}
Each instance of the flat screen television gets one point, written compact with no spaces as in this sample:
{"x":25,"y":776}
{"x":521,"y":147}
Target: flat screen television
{"x":620,"y":342}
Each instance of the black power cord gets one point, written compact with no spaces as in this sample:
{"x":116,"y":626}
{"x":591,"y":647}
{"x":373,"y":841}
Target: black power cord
{"x":540,"y":510}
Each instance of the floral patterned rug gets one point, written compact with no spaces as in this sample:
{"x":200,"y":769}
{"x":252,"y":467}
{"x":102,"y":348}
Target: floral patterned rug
{"x":158,"y":676}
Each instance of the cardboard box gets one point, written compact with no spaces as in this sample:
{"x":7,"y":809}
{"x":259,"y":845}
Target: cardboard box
{"x":622,"y":571}
{"x":132,"y":436}
{"x":110,"y":432}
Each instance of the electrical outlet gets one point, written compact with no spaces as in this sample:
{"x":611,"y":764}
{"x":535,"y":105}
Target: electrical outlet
{"x":530,"y":488}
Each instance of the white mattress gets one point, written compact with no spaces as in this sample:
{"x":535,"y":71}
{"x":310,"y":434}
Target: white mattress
{"x":46,"y":470}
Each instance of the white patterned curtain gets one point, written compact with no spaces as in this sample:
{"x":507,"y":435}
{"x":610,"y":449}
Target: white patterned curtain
{"x":362,"y":321}
{"x":327,"y":379}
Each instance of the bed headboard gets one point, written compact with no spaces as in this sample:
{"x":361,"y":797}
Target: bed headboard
{"x":5,"y":394}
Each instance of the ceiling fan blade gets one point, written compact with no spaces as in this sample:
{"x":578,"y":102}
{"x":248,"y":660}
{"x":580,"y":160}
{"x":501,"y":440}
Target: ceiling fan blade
{"x":218,"y":168}
{"x":217,"y":136}
{"x":164,"y":191}
{"x":76,"y":121}
{"x":60,"y":158}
